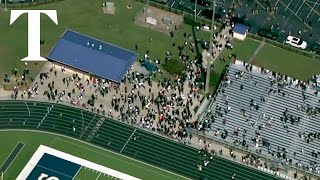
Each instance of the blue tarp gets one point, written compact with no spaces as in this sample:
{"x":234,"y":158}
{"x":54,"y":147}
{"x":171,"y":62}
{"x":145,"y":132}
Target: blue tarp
{"x":240,"y":28}
{"x":149,"y":66}
{"x":92,"y":56}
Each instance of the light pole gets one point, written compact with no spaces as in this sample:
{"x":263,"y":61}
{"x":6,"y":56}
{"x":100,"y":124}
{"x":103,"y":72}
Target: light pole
{"x":195,"y":10}
{"x":210,"y":50}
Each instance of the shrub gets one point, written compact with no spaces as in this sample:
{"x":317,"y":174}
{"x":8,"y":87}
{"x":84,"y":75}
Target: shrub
{"x":174,"y":66}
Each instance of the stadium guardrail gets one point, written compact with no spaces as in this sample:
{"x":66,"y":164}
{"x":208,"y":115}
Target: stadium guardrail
{"x":15,"y":5}
{"x":265,"y":157}
{"x":284,"y":46}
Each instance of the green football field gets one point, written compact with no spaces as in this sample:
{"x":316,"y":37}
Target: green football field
{"x":86,"y":173}
{"x":105,"y":158}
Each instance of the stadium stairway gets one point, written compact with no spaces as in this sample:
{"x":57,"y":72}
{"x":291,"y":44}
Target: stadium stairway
{"x":255,"y":86}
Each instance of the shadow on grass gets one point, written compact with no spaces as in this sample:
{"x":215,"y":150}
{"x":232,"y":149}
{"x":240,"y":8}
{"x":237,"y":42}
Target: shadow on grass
{"x":196,"y":43}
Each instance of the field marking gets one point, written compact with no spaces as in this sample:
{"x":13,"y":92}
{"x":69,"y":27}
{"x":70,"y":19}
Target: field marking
{"x":288,"y":5}
{"x":312,"y":9}
{"x":98,"y":176}
{"x":173,"y":4}
{"x":98,"y":147}
{"x":52,"y":141}
{"x":295,"y":13}
{"x":285,"y":24}
{"x":128,"y":140}
{"x":199,"y":12}
{"x":14,"y":157}
{"x":76,"y":173}
{"x":264,"y":22}
{"x":52,"y":170}
{"x":85,"y":129}
{"x":27,"y":107}
{"x":300,"y":7}
{"x":82,"y":122}
{"x":122,"y":160}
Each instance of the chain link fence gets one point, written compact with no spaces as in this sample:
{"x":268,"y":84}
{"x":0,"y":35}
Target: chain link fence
{"x":20,"y":5}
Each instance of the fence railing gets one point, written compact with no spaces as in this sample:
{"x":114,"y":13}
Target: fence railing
{"x":243,"y":150}
{"x":186,"y":15}
{"x":284,"y":46}
{"x":27,"y":4}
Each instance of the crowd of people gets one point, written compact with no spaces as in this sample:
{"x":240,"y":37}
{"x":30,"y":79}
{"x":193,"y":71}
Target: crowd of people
{"x":218,"y":113}
{"x":168,"y":106}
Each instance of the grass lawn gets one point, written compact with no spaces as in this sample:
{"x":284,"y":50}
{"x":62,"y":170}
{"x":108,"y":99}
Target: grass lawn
{"x":287,"y":63}
{"x":86,"y":17}
{"x":243,"y":51}
{"x":86,"y":173}
{"x":32,"y":140}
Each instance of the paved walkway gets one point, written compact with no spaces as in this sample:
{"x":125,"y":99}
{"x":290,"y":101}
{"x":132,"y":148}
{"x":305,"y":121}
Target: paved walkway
{"x":255,"y":53}
{"x":206,"y":55}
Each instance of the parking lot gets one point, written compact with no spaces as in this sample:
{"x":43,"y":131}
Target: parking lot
{"x":291,"y":16}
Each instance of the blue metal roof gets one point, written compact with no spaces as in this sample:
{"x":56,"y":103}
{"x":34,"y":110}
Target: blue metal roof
{"x":240,"y":28}
{"x":93,"y":56}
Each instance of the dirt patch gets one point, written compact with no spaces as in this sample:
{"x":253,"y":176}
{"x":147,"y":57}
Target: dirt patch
{"x":158,"y":15}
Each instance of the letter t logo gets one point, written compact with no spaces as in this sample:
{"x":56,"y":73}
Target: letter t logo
{"x":33,"y":30}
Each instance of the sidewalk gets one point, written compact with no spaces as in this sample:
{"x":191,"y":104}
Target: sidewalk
{"x":222,"y":41}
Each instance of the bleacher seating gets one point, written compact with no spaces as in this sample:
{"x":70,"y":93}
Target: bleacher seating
{"x":256,"y":88}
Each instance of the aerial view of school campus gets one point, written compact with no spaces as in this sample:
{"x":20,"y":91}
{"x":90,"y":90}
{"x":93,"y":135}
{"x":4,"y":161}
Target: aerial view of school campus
{"x":159,"y":89}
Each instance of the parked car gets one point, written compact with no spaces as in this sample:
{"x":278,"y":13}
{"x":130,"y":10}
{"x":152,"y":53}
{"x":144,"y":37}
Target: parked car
{"x":296,"y":42}
{"x":316,"y":48}
{"x":268,"y":34}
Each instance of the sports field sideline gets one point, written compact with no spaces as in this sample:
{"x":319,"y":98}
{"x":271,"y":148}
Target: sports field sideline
{"x":111,"y":135}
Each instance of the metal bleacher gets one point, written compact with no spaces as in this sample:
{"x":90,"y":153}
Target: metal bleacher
{"x":255,"y":87}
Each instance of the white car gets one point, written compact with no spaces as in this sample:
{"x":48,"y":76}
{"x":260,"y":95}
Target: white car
{"x":296,"y":42}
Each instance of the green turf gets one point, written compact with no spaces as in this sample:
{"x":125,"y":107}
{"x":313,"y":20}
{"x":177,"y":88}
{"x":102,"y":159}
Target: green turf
{"x":113,"y":135}
{"x":88,"y":152}
{"x":86,"y":173}
{"x":105,"y":177}
{"x":287,"y":63}
{"x":86,"y":17}
{"x":243,"y":51}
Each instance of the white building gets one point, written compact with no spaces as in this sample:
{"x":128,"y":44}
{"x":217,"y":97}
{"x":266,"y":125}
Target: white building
{"x":240,"y":31}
